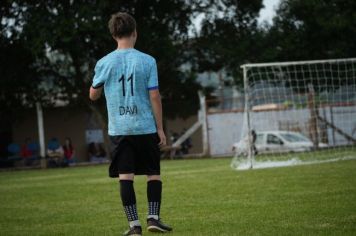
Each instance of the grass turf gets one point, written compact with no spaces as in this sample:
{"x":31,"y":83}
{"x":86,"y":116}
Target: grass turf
{"x":200,"y":197}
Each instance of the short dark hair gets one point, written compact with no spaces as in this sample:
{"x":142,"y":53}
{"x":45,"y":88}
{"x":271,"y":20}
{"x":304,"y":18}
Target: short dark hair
{"x":121,"y":24}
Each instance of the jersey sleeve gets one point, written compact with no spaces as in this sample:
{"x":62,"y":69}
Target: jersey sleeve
{"x":152,"y":83}
{"x":100,"y":76}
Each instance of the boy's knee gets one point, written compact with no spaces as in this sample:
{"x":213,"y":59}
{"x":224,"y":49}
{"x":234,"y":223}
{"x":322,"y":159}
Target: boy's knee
{"x":153,"y":177}
{"x":127,"y":177}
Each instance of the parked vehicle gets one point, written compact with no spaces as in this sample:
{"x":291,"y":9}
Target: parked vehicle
{"x":276,"y":141}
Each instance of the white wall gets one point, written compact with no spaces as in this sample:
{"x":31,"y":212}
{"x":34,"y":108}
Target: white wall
{"x":224,"y":129}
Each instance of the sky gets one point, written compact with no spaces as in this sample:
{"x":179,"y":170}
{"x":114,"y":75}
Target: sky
{"x":266,"y":14}
{"x":269,"y":11}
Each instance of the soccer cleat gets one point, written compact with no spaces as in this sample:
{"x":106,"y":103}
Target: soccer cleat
{"x":154,"y":225}
{"x":134,"y":231}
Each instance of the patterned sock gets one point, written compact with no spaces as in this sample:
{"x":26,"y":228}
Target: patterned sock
{"x":128,"y":198}
{"x":154,"y":193}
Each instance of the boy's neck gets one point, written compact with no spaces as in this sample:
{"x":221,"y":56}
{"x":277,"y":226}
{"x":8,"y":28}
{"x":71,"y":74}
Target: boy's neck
{"x":125,"y":44}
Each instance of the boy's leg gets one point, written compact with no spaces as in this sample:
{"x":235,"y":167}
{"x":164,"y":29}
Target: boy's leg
{"x":128,"y":198}
{"x":154,"y":195}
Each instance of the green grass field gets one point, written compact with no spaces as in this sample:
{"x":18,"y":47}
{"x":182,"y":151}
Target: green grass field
{"x":201,"y":197}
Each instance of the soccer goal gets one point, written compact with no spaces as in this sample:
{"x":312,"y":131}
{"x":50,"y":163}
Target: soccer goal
{"x":298,"y":112}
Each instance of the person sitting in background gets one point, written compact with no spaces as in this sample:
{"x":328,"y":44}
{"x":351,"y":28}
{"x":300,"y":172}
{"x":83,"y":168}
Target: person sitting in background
{"x":69,"y":152}
{"x":96,"y":152}
{"x":13,"y":150}
{"x":29,"y":152}
{"x":34,"y":148}
{"x":25,"y":151}
{"x":55,"y":153}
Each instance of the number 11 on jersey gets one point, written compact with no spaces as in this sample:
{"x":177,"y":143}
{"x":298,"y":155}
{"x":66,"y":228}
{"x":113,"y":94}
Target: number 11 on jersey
{"x":130,"y":80}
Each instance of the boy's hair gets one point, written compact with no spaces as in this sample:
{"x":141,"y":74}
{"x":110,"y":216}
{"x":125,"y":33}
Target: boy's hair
{"x":121,"y":25}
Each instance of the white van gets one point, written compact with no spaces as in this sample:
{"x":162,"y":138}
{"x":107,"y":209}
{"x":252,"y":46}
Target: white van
{"x":277,"y":141}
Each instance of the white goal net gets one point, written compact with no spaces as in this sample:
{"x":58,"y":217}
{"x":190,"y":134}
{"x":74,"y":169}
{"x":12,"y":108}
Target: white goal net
{"x":298,"y":112}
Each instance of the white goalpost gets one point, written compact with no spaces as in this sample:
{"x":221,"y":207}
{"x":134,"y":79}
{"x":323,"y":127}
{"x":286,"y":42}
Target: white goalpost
{"x":297,"y":113}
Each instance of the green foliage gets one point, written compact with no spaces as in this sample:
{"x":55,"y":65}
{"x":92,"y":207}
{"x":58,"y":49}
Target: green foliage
{"x":19,"y":79}
{"x":311,"y":30}
{"x":200,"y":197}
{"x":73,"y":35}
{"x":306,"y":30}
{"x":64,"y":39}
{"x":228,"y":37}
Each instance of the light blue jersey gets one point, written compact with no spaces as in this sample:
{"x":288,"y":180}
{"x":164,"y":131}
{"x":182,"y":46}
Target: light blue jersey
{"x":127,"y":76}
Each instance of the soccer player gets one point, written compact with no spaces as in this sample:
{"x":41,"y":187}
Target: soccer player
{"x":129,"y":79}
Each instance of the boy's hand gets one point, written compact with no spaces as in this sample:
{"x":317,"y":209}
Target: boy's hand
{"x":162,"y":137}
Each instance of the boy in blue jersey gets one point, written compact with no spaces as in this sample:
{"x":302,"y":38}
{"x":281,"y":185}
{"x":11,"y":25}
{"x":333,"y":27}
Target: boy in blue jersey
{"x":130,"y":82}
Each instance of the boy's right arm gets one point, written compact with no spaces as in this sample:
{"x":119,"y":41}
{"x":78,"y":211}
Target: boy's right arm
{"x":95,"y":93}
{"x":100,"y":76}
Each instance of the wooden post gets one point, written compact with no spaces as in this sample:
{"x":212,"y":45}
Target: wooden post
{"x":324,"y":129}
{"x":202,"y":121}
{"x":313,"y":120}
{"x":332,"y":122}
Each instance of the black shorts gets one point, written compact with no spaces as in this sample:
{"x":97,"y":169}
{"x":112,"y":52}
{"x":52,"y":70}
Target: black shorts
{"x":138,"y":154}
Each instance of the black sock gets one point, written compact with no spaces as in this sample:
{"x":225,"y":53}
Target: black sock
{"x":128,"y":198}
{"x":154,"y":193}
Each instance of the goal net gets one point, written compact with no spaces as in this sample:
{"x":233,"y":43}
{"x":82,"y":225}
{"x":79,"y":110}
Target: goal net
{"x":298,"y":112}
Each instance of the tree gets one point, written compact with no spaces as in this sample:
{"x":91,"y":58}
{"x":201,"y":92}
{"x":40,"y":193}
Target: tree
{"x":75,"y":35}
{"x":227,"y":37}
{"x":16,"y":64}
{"x":306,"y":30}
{"x":311,"y":30}
{"x":64,"y":40}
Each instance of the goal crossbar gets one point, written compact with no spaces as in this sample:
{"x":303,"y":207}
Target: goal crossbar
{"x":280,"y":64}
